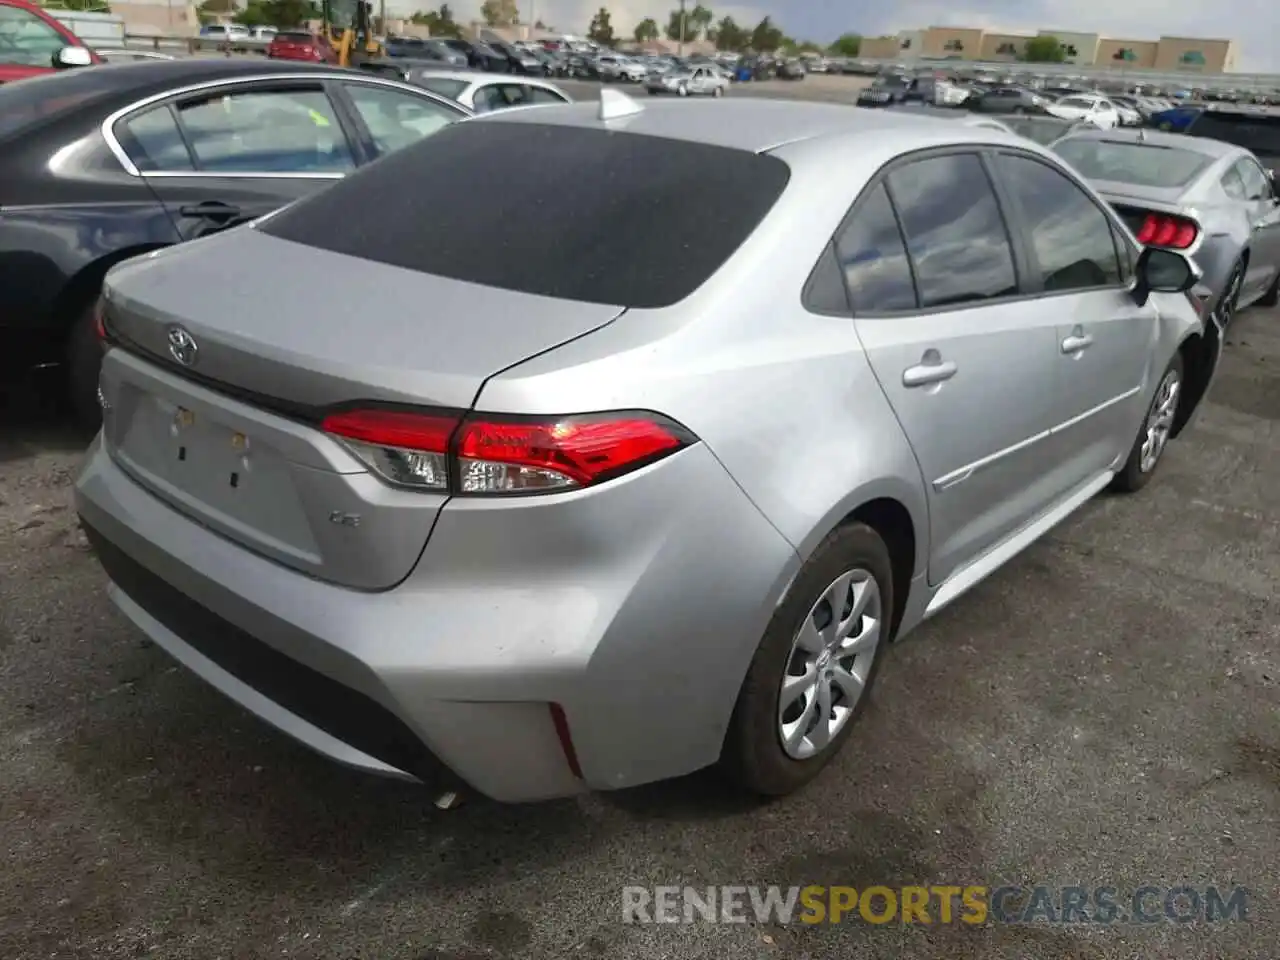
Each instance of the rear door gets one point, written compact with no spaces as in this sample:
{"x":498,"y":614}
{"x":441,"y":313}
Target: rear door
{"x":1105,"y":342}
{"x":224,"y":156}
{"x":1264,"y":224}
{"x":965,"y":361}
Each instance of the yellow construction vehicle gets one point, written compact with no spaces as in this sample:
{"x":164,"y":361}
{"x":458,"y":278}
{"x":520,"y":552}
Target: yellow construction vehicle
{"x":348,"y":26}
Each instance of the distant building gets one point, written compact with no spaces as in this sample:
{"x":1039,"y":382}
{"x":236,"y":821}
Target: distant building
{"x":1168,"y":54}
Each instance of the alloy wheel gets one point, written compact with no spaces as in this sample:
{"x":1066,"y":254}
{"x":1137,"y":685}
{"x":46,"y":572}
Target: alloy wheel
{"x":830,"y":660}
{"x":1160,"y":421}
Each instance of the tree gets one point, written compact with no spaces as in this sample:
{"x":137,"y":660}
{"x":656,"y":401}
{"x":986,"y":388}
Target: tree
{"x":696,"y":21}
{"x":848,"y":45}
{"x":1044,"y":50}
{"x":499,"y":13}
{"x":766,"y":37}
{"x":439,"y":22}
{"x":729,"y":36}
{"x":601,"y":29}
{"x":277,"y":13}
{"x":646,"y":30}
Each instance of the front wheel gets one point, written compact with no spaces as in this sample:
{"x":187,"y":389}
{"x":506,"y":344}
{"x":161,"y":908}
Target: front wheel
{"x":1153,"y":436}
{"x":683,"y":90}
{"x":811,"y":675}
{"x":718,"y":92}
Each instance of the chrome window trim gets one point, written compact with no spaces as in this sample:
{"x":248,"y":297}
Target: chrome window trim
{"x":327,"y":76}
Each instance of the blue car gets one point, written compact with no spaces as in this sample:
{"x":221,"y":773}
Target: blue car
{"x":1175,"y":120}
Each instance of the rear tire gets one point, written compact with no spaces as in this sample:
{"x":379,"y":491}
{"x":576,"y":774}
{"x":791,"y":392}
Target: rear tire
{"x":1226,"y":307}
{"x":1157,"y":423}
{"x":682,"y":91}
{"x":754,"y":753}
{"x":84,"y":363}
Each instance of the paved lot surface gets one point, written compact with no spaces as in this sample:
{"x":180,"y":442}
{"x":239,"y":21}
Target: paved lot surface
{"x":1104,"y":711}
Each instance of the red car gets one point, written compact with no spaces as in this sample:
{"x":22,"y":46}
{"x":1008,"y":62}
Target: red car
{"x":32,"y":43}
{"x":300,"y":45}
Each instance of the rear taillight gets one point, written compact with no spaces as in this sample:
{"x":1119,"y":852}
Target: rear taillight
{"x":1166,"y":230}
{"x":480,"y":454}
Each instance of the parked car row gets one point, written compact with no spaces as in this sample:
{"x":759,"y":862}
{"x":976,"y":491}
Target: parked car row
{"x":283,"y":499}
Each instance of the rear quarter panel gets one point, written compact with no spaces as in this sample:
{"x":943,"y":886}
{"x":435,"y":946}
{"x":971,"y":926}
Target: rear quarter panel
{"x":784,"y":398}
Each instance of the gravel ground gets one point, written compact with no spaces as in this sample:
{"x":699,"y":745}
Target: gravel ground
{"x":1101,"y":712}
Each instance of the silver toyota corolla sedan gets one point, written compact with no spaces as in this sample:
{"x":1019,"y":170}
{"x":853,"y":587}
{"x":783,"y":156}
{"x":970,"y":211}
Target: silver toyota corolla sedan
{"x":440,"y":485}
{"x":1209,"y":199}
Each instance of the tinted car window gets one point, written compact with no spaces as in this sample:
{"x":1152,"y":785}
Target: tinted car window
{"x":153,"y":141}
{"x":396,"y":119}
{"x":469,"y":203}
{"x":27,"y":40}
{"x":539,"y":95}
{"x":874,"y":260}
{"x":268,"y":131}
{"x":955,"y":233}
{"x":1256,"y":186}
{"x":1142,"y":164}
{"x":444,"y":86}
{"x":1233,"y":184}
{"x":1070,"y":235}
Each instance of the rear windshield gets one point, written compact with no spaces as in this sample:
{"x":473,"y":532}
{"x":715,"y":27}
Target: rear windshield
{"x":444,"y":86}
{"x":574,"y":213}
{"x":1144,"y":165}
{"x":290,"y":36}
{"x":1257,"y":132}
{"x":25,"y":104}
{"x":1042,"y":130}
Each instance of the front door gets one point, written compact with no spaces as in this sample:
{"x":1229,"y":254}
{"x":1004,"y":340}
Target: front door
{"x":227,"y":156}
{"x":963,"y":361}
{"x":1105,"y":342}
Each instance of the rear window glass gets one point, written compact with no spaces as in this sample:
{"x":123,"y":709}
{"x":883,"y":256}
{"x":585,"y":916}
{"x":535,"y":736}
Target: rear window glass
{"x":25,"y":104}
{"x":1257,"y":132}
{"x":567,"y":212}
{"x":289,"y":36}
{"x":1144,"y":165}
{"x":444,"y":86}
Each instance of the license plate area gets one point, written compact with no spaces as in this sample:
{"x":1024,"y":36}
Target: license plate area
{"x":229,"y":478}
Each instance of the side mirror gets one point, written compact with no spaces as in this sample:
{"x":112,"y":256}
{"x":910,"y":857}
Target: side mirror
{"x":67,"y":57}
{"x":1163,"y":271}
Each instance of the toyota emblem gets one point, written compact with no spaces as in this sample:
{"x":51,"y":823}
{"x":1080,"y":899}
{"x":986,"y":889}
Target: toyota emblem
{"x":182,"y":346}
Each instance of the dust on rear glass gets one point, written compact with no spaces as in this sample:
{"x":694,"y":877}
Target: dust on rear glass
{"x":574,"y":213}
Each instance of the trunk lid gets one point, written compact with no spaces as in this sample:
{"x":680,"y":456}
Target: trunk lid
{"x":283,"y":331}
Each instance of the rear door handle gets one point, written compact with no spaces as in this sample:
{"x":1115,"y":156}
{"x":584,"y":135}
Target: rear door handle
{"x":923,"y":374}
{"x":1076,"y":343}
{"x":210,"y":210}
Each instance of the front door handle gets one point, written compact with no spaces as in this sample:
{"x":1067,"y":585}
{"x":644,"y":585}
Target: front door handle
{"x":1076,"y":342}
{"x":933,"y":369}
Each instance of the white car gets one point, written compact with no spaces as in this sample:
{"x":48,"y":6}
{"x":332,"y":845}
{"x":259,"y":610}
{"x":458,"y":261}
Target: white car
{"x":1090,"y":108}
{"x":700,"y":81}
{"x":485,"y":92}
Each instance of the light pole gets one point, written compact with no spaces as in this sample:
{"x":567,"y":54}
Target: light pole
{"x":682,"y":23}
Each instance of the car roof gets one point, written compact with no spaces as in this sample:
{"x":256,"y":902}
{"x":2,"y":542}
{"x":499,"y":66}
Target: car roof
{"x":1201,"y":145}
{"x":143,"y":78}
{"x":755,"y":124}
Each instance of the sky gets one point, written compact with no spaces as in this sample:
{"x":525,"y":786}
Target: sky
{"x":1251,"y":23}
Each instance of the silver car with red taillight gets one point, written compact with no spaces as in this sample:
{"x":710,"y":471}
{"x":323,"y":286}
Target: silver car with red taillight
{"x":1206,"y":198}
{"x":445,"y":487}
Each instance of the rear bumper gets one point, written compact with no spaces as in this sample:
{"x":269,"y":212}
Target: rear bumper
{"x":636,"y":607}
